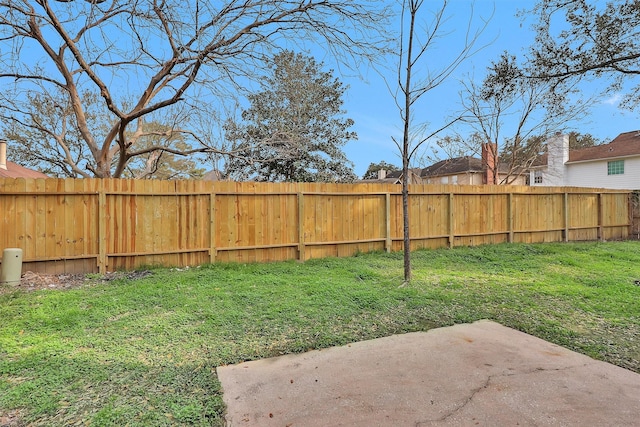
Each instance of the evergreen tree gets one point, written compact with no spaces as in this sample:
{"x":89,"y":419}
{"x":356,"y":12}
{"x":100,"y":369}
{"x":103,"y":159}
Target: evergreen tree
{"x":294,"y":129}
{"x":372,"y":170}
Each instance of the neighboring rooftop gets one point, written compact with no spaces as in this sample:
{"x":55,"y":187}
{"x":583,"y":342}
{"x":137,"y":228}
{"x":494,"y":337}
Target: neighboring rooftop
{"x":398,"y":174}
{"x":14,"y":170}
{"x":624,"y":145}
{"x":453,"y":166}
{"x":540,"y":160}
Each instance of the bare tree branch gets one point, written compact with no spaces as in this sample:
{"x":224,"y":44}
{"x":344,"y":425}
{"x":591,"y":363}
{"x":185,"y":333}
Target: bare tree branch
{"x":514,"y":113}
{"x":597,"y":40}
{"x":144,"y":57}
{"x":410,"y":89}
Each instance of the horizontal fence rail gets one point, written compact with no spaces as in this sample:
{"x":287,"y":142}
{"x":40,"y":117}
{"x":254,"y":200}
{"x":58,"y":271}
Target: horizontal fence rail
{"x":94,"y":225}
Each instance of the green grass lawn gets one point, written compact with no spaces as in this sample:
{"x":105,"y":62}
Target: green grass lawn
{"x":144,"y":352}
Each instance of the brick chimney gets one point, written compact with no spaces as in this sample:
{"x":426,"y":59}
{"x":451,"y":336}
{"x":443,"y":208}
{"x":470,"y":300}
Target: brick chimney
{"x":3,"y":154}
{"x":382,"y":174}
{"x":490,"y":162}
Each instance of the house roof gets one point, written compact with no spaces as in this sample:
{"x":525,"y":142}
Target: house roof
{"x":453,"y":166}
{"x":466,"y":164}
{"x":540,"y":160}
{"x":14,"y":170}
{"x":379,"y":181}
{"x":398,"y":173}
{"x":393,"y":177}
{"x":624,"y":145}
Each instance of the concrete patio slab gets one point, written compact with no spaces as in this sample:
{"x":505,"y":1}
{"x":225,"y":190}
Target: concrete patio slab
{"x":480,"y":374}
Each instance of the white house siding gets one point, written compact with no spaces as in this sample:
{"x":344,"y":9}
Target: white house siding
{"x":555,"y":172}
{"x":594,"y":174}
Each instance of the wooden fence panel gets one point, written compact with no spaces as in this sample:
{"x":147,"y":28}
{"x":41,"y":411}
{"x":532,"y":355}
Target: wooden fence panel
{"x":50,"y":221}
{"x":538,"y":217}
{"x":634,"y":214}
{"x":615,"y":220}
{"x":429,"y":221}
{"x":341,"y":224}
{"x":395,"y":221}
{"x":72,"y":225}
{"x":481,"y":219}
{"x":583,"y":217}
{"x":255,"y":226}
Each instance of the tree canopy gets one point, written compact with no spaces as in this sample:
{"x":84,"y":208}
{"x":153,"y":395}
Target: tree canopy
{"x":515,"y":113}
{"x":372,"y":170}
{"x":520,"y":104}
{"x":294,"y":128}
{"x":579,"y":140}
{"x":579,"y":39}
{"x":149,"y":61}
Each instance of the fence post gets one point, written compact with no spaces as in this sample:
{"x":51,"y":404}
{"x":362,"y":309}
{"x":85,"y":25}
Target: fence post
{"x":633,"y":201}
{"x":566,"y":216}
{"x":451,"y":220}
{"x":600,"y":219}
{"x":510,"y":216}
{"x":388,"y":243}
{"x":102,"y":228}
{"x":212,"y":230}
{"x":301,"y":256}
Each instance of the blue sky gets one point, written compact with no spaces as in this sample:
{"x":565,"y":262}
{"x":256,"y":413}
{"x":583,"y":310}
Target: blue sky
{"x":370,"y":104}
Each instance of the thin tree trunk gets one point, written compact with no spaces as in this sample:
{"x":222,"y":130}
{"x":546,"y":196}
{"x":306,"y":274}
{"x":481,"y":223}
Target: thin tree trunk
{"x":405,"y":150}
{"x":405,"y":219}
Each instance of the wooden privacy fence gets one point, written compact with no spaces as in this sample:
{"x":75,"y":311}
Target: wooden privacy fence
{"x":634,"y":232}
{"x":93,"y":225}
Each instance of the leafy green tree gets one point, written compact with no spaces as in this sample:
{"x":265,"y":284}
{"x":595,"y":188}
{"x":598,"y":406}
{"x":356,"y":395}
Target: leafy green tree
{"x":579,"y":39}
{"x":372,"y":170}
{"x":294,"y":129}
{"x":578,"y":140}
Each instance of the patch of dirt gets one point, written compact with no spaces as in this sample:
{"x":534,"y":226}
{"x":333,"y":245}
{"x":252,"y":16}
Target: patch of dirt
{"x":10,"y":419}
{"x":31,"y":281}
